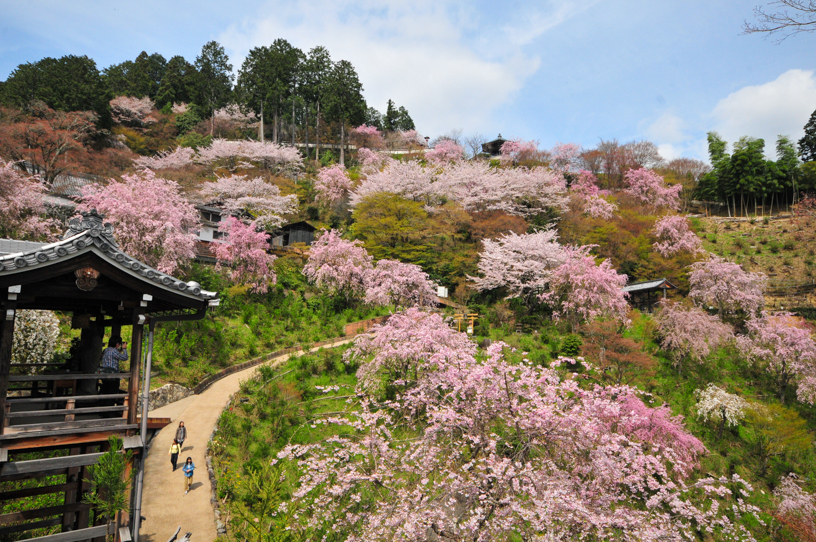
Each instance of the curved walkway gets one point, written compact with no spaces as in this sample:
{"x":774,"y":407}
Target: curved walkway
{"x":164,"y":504}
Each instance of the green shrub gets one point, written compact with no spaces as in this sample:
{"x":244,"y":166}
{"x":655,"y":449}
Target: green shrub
{"x":571,"y":345}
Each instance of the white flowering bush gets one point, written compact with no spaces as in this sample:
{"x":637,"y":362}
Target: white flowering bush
{"x":35,"y":336}
{"x":716,"y":404}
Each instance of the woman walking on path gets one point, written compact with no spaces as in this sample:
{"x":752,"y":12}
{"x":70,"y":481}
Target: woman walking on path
{"x":174,"y":452}
{"x":188,"y":469}
{"x":181,"y":435}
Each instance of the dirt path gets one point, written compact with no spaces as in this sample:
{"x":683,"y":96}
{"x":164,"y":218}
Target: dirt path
{"x":164,"y":503}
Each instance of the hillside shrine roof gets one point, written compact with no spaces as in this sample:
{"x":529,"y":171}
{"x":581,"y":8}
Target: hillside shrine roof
{"x":649,"y":285}
{"x":86,"y":271}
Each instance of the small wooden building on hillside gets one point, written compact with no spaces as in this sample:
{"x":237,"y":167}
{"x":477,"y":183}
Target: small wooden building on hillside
{"x":493,"y":148}
{"x":297,"y":232}
{"x":643,"y":295}
{"x":59,"y":410}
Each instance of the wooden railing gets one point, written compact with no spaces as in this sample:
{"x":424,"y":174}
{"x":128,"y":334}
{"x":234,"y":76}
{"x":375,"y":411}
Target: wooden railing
{"x":22,"y":414}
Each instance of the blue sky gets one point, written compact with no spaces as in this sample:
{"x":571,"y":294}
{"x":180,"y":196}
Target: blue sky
{"x":549,"y":70}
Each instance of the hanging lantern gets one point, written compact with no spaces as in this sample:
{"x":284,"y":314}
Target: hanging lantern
{"x":86,"y":278}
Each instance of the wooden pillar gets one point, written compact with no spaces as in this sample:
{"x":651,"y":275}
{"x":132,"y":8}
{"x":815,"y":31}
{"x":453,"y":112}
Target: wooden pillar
{"x":71,"y":495}
{"x":6,"y":338}
{"x":135,"y":365}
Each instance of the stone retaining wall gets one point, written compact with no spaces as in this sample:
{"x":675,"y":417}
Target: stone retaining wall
{"x":169,"y":393}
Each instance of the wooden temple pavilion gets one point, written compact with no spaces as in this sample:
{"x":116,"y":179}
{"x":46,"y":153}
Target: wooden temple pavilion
{"x":59,"y":410}
{"x":640,"y":293}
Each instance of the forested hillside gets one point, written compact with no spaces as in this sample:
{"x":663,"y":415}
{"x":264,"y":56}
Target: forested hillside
{"x":573,"y":408}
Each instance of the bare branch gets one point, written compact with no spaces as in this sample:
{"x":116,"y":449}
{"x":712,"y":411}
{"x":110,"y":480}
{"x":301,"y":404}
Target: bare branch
{"x":791,"y":18}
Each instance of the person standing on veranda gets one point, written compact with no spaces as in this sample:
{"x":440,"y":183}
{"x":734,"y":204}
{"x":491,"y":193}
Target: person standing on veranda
{"x":111,"y":356}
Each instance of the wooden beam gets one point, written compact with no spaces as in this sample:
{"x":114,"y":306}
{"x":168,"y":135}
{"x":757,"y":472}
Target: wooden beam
{"x":24,"y":515}
{"x":61,"y":439}
{"x":155,"y":423}
{"x":49,"y":426}
{"x":66,"y":376}
{"x":77,"y":398}
{"x":33,"y":491}
{"x":48,"y":464}
{"x":73,"y":536}
{"x":111,"y":430}
{"x":65,"y":412}
{"x":30,"y":526}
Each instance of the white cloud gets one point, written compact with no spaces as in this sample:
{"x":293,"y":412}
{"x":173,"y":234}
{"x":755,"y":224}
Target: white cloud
{"x":535,"y":24}
{"x":668,"y":128}
{"x":780,"y":107}
{"x":420,"y":54}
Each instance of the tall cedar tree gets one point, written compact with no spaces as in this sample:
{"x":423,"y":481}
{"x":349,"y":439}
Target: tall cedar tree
{"x":345,"y":102}
{"x":178,"y":83}
{"x":215,"y":78}
{"x":70,"y":83}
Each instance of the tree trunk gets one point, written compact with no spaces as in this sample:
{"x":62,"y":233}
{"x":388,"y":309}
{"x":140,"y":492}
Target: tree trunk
{"x":261,"y":129}
{"x":306,"y":128}
{"x":317,"y":134}
{"x":722,"y":426}
{"x":342,"y":134}
{"x":275,"y":126}
{"x":293,"y":121}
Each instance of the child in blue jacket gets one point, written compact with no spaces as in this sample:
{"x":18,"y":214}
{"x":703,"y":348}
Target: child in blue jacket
{"x":188,"y":469}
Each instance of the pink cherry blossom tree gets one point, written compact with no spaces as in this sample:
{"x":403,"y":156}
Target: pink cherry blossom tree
{"x":233,"y":114}
{"x":716,"y":282}
{"x":599,"y":207}
{"x":410,"y":344}
{"x":407,"y":179}
{"x":177,"y":158}
{"x":582,"y":291}
{"x":368,"y":137}
{"x":153,"y":221}
{"x":565,"y":157}
{"x":650,"y":189}
{"x":797,"y":507}
{"x":521,"y":264}
{"x":372,"y":161}
{"x":244,"y":249}
{"x":338,"y":267}
{"x":784,"y":345}
{"x":675,"y":236}
{"x":445,"y":151}
{"x":332,"y":183}
{"x":516,"y":150}
{"x":130,"y":110}
{"x":256,"y":197}
{"x":503,"y":448}
{"x":268,"y":154}
{"x":690,"y":332}
{"x":584,"y":187}
{"x":23,"y":204}
{"x":519,"y":191}
{"x":401,"y":284}
{"x":585,"y":184}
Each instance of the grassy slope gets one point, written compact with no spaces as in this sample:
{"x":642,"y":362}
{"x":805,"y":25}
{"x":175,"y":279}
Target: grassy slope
{"x":265,"y":417}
